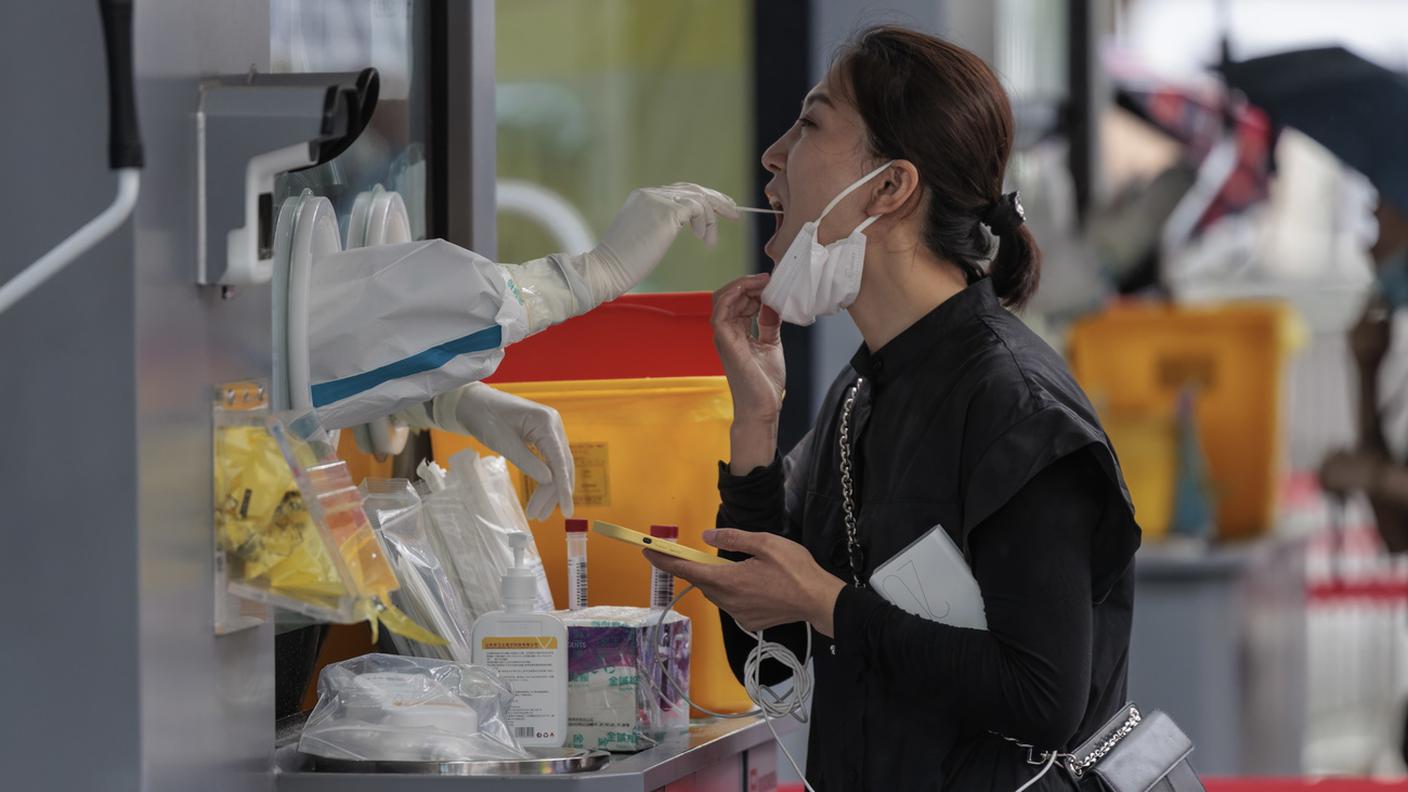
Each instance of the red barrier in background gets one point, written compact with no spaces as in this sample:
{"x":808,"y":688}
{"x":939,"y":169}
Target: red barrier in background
{"x":638,"y":335}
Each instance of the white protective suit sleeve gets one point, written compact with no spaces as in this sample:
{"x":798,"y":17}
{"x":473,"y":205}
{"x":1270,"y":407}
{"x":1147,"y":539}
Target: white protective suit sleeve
{"x":512,"y":426}
{"x":391,"y":326}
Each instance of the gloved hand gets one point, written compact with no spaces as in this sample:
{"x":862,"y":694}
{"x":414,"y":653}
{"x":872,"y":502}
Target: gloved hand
{"x":508,"y":424}
{"x":559,"y":287}
{"x":381,"y":437}
{"x":643,"y":231}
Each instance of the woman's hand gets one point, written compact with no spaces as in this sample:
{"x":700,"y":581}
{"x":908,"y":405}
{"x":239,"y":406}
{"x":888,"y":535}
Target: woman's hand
{"x":754,"y":366}
{"x":1370,"y":337}
{"x":780,"y":584}
{"x":1344,"y":472}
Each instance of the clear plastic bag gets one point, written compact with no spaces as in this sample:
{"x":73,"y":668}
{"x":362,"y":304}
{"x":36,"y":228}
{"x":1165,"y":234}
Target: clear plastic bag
{"x":464,"y":555}
{"x":273,"y":548}
{"x":472,"y":513}
{"x":491,"y":495}
{"x":381,"y":707}
{"x":289,"y":525}
{"x":427,"y":594}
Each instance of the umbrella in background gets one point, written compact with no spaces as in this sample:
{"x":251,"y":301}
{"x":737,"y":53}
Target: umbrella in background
{"x":1355,"y":108}
{"x":1200,"y":117}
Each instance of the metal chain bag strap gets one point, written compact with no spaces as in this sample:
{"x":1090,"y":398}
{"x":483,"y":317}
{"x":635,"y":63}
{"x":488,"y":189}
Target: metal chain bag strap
{"x":1135,"y":753}
{"x":848,"y":499}
{"x":1131,"y":752}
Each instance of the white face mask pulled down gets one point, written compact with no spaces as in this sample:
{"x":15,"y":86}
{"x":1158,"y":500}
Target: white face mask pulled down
{"x":813,"y":279}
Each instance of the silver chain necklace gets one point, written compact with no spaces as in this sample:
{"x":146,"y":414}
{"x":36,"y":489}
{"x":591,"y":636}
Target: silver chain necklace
{"x":848,"y":500}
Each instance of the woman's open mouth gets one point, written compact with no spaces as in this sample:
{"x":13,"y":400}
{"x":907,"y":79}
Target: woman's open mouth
{"x":778,"y":218}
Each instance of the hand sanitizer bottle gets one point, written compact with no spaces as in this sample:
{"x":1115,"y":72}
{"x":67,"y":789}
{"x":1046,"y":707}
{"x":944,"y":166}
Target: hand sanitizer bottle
{"x":528,"y":649}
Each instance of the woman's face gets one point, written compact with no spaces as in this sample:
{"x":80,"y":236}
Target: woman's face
{"x":823,"y":152}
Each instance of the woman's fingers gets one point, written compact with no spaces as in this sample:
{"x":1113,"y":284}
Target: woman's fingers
{"x":750,"y":286}
{"x":735,"y":305}
{"x":769,"y":325}
{"x":696,"y":573}
{"x":740,"y":541}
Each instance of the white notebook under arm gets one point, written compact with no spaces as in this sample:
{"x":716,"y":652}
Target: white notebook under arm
{"x":931,"y":579}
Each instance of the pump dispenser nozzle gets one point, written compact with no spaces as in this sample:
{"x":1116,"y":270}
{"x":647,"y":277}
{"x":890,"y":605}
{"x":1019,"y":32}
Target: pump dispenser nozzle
{"x":519,"y":541}
{"x":518,"y":587}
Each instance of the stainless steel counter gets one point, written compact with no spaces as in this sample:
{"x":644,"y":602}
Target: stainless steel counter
{"x":713,"y":755}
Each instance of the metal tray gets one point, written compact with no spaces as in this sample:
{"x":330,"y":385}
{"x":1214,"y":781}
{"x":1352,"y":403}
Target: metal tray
{"x":545,"y":761}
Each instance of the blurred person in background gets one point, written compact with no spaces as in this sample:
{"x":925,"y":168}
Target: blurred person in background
{"x":1371,"y":467}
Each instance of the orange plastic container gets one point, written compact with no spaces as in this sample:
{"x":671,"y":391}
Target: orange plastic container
{"x":1136,"y":358}
{"x":360,"y":464}
{"x":1147,"y":444}
{"x":645,"y":452}
{"x":644,"y":402}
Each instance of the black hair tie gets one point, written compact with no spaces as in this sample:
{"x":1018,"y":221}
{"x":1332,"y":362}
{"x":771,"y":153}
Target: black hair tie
{"x":1004,"y":215}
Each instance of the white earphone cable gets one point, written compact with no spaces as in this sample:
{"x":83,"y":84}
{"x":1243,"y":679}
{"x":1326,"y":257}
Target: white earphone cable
{"x":1050,"y":761}
{"x":769,"y":704}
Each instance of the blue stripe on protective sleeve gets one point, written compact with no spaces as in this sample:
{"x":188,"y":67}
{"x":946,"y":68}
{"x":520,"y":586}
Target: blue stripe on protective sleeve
{"x":325,"y":393}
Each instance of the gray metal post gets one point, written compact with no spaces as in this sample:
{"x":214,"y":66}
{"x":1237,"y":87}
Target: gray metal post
{"x":469,"y":155}
{"x":68,"y":478}
{"x":116,"y":680}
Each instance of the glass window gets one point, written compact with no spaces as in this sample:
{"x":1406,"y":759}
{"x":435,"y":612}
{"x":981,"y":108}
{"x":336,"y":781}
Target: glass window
{"x":350,"y":35}
{"x":598,"y":97}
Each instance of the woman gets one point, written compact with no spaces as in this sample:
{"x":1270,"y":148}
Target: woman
{"x":958,"y":417}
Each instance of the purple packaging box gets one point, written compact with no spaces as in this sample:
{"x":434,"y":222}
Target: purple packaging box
{"x":617,"y":699}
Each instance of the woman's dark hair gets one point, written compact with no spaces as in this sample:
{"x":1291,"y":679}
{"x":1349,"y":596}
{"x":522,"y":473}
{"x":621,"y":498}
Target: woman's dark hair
{"x":941,"y":108}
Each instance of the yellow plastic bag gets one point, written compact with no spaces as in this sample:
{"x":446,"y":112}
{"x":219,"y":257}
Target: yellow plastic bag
{"x":292,"y":526}
{"x":275,"y":551}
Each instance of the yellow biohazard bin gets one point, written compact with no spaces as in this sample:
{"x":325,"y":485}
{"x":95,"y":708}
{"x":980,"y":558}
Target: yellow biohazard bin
{"x":646,"y":452}
{"x":1134,"y":361}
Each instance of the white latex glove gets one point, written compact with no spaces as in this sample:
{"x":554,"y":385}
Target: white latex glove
{"x":508,"y":424}
{"x":381,"y":437}
{"x":559,"y":287}
{"x":643,"y":231}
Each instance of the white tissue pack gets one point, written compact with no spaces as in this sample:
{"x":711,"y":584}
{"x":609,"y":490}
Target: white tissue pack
{"x":617,"y":699}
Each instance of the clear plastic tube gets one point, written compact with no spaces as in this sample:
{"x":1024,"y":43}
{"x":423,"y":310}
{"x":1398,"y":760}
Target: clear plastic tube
{"x":576,"y":564}
{"x":662,"y":589}
{"x":662,"y":584}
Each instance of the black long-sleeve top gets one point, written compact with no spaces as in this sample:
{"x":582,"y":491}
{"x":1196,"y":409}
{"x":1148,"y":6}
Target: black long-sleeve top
{"x":969,"y":421}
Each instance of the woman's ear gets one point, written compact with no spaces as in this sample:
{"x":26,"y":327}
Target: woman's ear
{"x":897,"y":185}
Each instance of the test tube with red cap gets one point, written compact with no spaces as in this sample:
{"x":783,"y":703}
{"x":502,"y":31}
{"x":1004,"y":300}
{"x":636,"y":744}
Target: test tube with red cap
{"x":576,"y":564}
{"x":662,"y":584}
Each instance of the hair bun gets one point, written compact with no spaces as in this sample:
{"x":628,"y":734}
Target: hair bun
{"x":1004,"y":215}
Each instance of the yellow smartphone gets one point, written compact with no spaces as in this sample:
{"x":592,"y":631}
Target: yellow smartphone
{"x":659,"y":545}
